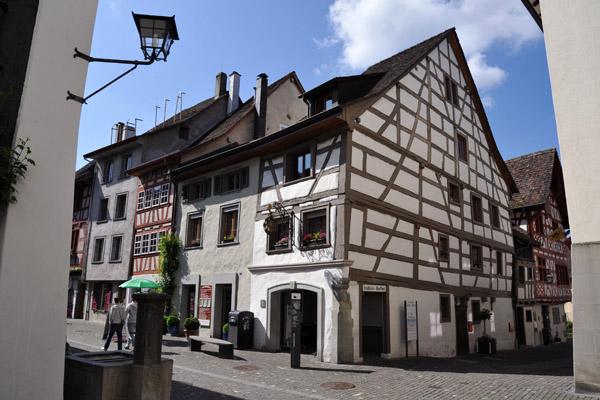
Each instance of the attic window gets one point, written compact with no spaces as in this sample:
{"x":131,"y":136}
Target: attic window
{"x":184,"y":132}
{"x":451,"y":90}
{"x":323,"y":104}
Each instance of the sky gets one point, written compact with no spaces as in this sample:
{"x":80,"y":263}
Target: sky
{"x":319,"y":40}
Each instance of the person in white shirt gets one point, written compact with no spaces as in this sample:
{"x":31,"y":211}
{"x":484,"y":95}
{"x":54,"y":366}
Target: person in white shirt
{"x":131,"y":312}
{"x":116,"y":316}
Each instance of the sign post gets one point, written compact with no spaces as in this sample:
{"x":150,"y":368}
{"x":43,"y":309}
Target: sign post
{"x":411,"y":323}
{"x":295,"y":316}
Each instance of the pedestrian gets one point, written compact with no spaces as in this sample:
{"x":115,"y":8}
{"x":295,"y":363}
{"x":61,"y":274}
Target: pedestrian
{"x":116,"y":318}
{"x":131,"y":312}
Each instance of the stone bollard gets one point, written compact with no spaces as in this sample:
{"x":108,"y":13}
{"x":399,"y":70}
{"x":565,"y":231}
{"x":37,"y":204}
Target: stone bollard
{"x":150,"y":374}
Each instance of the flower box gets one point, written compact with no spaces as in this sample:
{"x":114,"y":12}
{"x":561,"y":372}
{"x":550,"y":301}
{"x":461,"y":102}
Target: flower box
{"x":314,"y":242}
{"x":280,"y":246}
{"x":230,"y":240}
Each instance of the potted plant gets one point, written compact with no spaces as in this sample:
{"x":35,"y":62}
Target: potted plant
{"x":228,"y":238}
{"x":195,"y":243}
{"x":486,"y":344}
{"x":314,"y":239}
{"x":225,"y":331}
{"x":282,"y":243}
{"x":191,"y":327}
{"x":172,"y":324}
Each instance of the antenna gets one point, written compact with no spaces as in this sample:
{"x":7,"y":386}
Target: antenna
{"x":180,"y":102}
{"x":135,"y":120}
{"x":165,"y":111}
{"x":156,"y":113}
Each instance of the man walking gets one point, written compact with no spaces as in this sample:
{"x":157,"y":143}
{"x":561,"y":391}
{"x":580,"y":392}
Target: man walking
{"x":116,"y":317}
{"x":131,"y":312}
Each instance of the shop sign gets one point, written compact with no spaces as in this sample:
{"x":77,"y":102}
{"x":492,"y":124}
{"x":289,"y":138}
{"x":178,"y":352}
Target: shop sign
{"x":375,"y":288}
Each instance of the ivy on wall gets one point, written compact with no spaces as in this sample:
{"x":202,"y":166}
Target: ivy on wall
{"x":169,"y":247}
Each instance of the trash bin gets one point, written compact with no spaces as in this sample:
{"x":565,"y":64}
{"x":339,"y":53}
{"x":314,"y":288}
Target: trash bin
{"x":241,"y":329}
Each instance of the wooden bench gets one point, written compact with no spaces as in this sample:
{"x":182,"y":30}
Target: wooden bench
{"x":225,"y":347}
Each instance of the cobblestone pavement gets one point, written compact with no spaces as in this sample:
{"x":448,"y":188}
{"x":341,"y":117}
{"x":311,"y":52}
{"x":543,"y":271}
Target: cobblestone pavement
{"x":532,"y":373}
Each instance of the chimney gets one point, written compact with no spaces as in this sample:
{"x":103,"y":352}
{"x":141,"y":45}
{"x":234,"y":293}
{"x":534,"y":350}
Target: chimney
{"x":128,"y":131}
{"x":260,"y":106}
{"x":234,"y":93}
{"x":221,"y":85}
{"x":119,"y":134}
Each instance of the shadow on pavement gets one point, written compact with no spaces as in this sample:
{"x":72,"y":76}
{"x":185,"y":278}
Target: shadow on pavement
{"x":556,"y":360}
{"x":352,"y":371}
{"x":180,"y":390}
{"x":174,"y":343}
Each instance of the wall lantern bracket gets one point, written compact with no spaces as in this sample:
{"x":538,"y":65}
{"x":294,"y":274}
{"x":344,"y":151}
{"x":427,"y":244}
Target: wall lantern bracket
{"x":157,"y":34}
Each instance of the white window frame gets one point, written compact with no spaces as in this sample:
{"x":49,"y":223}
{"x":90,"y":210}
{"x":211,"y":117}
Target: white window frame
{"x":156,"y":196}
{"x":141,"y":199}
{"x":188,"y":239}
{"x":145,"y":243}
{"x":137,"y":248}
{"x":148,"y":201}
{"x":224,"y":210}
{"x":153,"y":243}
{"x":165,"y":190}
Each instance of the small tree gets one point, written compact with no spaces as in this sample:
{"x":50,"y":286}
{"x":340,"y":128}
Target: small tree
{"x":169,"y":247}
{"x":485,"y":315}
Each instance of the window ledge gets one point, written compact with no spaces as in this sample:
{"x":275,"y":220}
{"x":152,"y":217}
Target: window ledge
{"x":102,"y":221}
{"x":115,"y":261}
{"x":192,"y":248}
{"x":317,"y":247}
{"x":120,"y":219}
{"x":299,"y":180}
{"x":227,"y":244}
{"x":280,"y":251}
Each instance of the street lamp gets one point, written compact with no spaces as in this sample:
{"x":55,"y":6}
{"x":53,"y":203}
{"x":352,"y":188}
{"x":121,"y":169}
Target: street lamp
{"x":157,"y":34}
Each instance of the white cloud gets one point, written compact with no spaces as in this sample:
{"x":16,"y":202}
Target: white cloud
{"x":326,"y":42}
{"x":371,"y":30}
{"x":488,"y":101}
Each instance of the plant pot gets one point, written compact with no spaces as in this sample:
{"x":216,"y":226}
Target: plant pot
{"x":486,"y":347}
{"x":172,"y":329}
{"x":228,"y":240}
{"x":190,"y":332}
{"x":317,"y":242}
{"x":225,"y":336}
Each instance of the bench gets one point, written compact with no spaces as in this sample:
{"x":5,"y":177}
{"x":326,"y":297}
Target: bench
{"x":225,"y":347}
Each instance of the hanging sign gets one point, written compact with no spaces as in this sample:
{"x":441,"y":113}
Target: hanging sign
{"x":204,"y":305}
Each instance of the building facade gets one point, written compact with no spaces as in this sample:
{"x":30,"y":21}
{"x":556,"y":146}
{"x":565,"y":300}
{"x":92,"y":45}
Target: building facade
{"x":540,"y":209}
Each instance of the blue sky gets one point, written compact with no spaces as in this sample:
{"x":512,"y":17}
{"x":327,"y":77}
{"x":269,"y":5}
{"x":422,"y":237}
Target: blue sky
{"x":319,"y":40}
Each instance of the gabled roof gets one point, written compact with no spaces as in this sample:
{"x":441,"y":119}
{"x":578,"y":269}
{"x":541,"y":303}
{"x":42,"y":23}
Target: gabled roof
{"x":228,"y":123}
{"x":538,"y":176}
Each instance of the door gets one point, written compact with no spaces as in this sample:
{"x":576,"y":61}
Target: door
{"x":462,"y":331}
{"x":225,"y":304}
{"x":373,"y":323}
{"x":521,"y":327}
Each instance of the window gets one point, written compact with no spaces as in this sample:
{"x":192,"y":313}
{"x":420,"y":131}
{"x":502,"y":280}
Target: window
{"x":74,"y":239}
{"x":121,"y":206}
{"x":299,"y":165}
{"x":108,"y":171}
{"x":444,"y":249}
{"x":115,"y":249}
{"x":196,"y":190}
{"x":156,"y":196}
{"x":323,"y":104}
{"x":461,"y":147}
{"x":140,"y":203}
{"x":454,"y":193}
{"x":164,"y":193}
{"x":148,"y":195}
{"x":499,"y":263}
{"x":125,"y":165}
{"x":153,"y":248}
{"x":495,"y":216}
{"x":184,"y":132}
{"x":530,"y":273}
{"x":445,"y":313}
{"x":543,"y":272}
{"x":539,"y":223}
{"x":528,"y":316}
{"x":98,"y":250}
{"x":103,"y":211}
{"x":451,"y":90}
{"x":562,"y":275}
{"x":231,"y":181}
{"x":281,"y":238}
{"x":229,"y":224}
{"x":476,"y":209}
{"x":145,"y":243}
{"x":314,"y":228}
{"x":476,"y":259}
{"x":194,"y":233}
{"x":555,"y":315}
{"x":522,"y":275}
{"x":137,"y":248}
{"x":476,"y":307}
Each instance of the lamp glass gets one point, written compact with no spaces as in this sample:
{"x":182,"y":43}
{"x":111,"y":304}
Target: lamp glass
{"x":156,"y":35}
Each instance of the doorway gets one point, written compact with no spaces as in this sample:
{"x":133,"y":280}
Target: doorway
{"x":222,"y":307}
{"x":308,"y":329}
{"x":462,"y":330}
{"x":373,"y":323}
{"x":521,"y":327}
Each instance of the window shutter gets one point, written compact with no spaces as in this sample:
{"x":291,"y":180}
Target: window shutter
{"x":206,"y":188}
{"x":185,"y":192}
{"x":245,"y":178}
{"x":217,"y":184}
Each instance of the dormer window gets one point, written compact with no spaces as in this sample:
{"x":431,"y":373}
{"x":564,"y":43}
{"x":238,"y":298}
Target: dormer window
{"x":323,"y":104}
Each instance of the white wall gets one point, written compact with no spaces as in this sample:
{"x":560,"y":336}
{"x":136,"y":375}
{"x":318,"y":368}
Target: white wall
{"x":33,"y":284}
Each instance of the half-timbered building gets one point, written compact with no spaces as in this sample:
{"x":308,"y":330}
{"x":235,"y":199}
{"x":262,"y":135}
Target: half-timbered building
{"x":392,"y":191}
{"x":540,"y":208}
{"x":84,"y":182}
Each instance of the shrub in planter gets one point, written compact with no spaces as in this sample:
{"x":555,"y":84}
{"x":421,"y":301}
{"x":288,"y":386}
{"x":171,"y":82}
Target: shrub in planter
{"x":486,"y":345}
{"x":191,"y":325}
{"x":225,"y":331}
{"x":172,"y":324}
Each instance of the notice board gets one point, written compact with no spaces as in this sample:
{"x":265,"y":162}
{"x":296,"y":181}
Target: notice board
{"x":204,"y":305}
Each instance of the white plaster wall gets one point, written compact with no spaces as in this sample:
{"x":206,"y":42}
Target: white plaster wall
{"x":33,"y":284}
{"x":263,"y":281}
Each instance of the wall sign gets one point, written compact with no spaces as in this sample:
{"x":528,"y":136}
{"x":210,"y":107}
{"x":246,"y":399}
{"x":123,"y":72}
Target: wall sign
{"x":375,"y":288}
{"x":204,"y":305}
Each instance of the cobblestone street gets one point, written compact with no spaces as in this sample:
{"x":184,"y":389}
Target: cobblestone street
{"x":532,"y":373}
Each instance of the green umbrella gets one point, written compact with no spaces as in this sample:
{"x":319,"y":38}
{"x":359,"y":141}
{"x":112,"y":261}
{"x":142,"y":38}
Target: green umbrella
{"x":140,"y":284}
